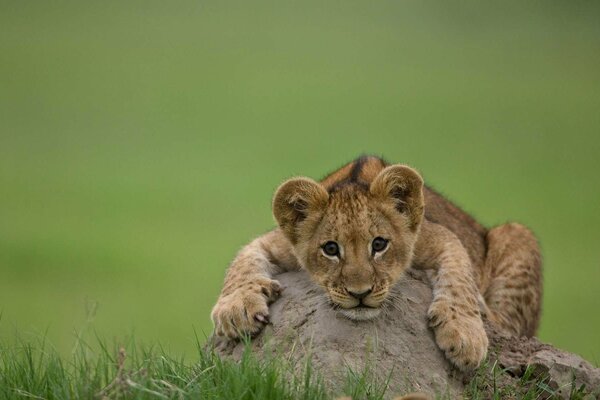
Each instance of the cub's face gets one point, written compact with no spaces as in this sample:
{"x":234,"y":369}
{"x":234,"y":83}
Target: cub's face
{"x":357,"y":240}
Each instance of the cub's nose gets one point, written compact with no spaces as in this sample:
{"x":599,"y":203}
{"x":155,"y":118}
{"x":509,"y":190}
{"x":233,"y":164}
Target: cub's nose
{"x":360,"y":295}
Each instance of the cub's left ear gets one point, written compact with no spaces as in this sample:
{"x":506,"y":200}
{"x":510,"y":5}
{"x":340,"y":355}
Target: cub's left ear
{"x":404,"y":186}
{"x":296,"y":201}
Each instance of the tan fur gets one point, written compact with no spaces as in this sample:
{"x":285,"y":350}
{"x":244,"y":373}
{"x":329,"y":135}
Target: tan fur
{"x":473,"y":271}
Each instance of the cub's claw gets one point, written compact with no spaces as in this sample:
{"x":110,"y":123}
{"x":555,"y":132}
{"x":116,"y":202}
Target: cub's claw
{"x":245,"y":310}
{"x":460,"y":335}
{"x":262,"y":318}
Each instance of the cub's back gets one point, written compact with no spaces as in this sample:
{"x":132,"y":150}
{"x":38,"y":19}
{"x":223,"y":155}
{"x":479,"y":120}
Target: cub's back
{"x":438,"y":209}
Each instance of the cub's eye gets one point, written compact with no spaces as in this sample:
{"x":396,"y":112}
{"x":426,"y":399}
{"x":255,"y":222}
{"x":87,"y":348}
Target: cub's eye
{"x":379,"y":244}
{"x":331,"y":249}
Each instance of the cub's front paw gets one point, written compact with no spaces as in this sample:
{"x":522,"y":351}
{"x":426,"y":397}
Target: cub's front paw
{"x":246,"y":309}
{"x":459,"y":334}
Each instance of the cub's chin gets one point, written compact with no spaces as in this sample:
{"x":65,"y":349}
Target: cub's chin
{"x":360,"y":313}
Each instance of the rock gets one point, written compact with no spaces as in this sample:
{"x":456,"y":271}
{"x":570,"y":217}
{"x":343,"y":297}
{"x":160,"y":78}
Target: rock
{"x":397,"y":346}
{"x":559,"y":367}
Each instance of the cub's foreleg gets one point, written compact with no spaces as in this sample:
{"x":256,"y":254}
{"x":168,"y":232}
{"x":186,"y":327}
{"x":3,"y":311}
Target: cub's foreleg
{"x":243,"y":305}
{"x":454,"y":313}
{"x":514,"y":292}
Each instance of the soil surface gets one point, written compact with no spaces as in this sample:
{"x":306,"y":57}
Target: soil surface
{"x":397,"y":346}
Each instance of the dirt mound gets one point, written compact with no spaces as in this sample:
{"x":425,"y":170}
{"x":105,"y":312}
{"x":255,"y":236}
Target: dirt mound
{"x":398,"y":345}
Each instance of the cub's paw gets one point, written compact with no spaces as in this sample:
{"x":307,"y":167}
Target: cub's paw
{"x":246,"y":309}
{"x":459,"y":334}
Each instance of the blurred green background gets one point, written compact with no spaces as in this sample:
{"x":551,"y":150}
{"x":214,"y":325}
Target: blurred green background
{"x":140,"y":142}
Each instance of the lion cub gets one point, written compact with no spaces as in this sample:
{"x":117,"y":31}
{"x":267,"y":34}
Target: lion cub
{"x":359,"y":229}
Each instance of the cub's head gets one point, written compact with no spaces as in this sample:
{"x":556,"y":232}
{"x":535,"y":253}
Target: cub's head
{"x":355,"y":239}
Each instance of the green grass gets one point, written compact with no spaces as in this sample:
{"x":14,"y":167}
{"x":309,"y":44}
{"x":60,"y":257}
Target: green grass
{"x":32,"y":368}
{"x":140,"y":142}
{"x":136,"y":372}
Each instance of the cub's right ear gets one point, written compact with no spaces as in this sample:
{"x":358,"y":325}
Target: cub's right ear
{"x":295,"y":201}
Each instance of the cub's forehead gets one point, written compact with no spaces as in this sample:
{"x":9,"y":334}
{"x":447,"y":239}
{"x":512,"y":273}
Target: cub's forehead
{"x":348,"y":202}
{"x":351,"y":211}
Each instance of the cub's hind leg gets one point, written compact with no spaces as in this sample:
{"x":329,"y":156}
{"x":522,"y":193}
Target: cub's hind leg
{"x":514,"y":293}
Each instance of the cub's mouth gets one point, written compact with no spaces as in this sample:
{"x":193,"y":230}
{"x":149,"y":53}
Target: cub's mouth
{"x":358,"y":308}
{"x":360,"y":312}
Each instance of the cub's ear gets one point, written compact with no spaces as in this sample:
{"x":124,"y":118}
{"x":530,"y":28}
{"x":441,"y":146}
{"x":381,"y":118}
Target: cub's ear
{"x":295,"y":201}
{"x":404,"y":186}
